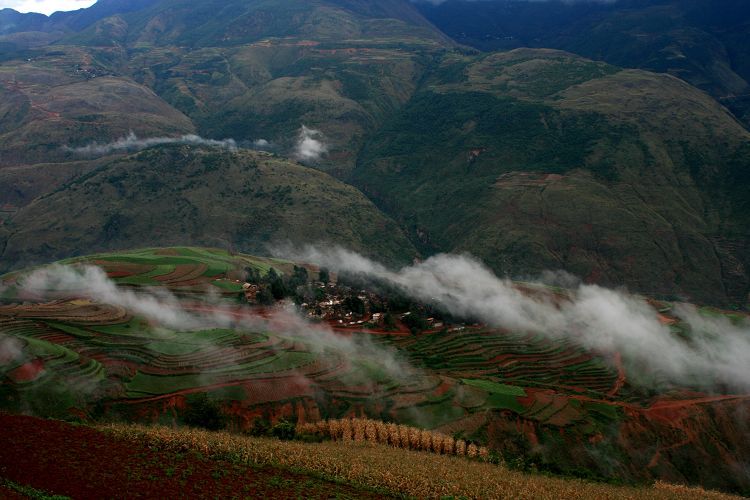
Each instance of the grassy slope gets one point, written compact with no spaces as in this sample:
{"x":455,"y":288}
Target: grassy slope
{"x":639,"y":193}
{"x":186,"y":195}
{"x":672,"y":197}
{"x":248,"y":70}
{"x":260,"y":69}
{"x":72,"y":96}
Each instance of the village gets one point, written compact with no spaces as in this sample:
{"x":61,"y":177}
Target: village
{"x":346,"y":306}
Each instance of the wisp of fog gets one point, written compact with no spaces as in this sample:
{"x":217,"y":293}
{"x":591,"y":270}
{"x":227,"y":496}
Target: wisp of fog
{"x":715,"y":354}
{"x":132,"y":143}
{"x":162,"y":309}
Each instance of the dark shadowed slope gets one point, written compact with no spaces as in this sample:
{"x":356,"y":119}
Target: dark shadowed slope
{"x":537,"y":159}
{"x":704,"y":42}
{"x":188,"y":195}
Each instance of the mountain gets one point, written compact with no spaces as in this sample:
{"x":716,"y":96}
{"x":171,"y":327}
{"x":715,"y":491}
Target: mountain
{"x":704,"y":42}
{"x":250,"y":125}
{"x":538,"y":159}
{"x":529,"y":159}
{"x":193,"y":195}
{"x":246,"y":70}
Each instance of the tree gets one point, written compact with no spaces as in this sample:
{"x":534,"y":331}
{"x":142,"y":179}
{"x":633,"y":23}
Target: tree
{"x":354,"y":304}
{"x":324,"y":275}
{"x":204,"y":412}
{"x":251,"y":275}
{"x":415,"y":321}
{"x":389,"y":321}
{"x":299,"y":277}
{"x":276,"y":284}
{"x":284,"y":429}
{"x":279,"y":289}
{"x":264,"y":296}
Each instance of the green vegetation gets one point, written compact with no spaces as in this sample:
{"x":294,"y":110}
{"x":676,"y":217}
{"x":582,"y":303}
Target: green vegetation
{"x":702,"y":42}
{"x":241,"y":210}
{"x":29,"y":492}
{"x":495,"y":388}
{"x":528,"y":159}
{"x":547,"y":160}
{"x":144,"y":384}
{"x":550,"y":161}
{"x":543,"y":404}
{"x":203,"y":412}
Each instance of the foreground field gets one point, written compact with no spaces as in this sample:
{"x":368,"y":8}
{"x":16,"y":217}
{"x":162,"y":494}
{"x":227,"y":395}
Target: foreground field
{"x":84,"y":463}
{"x":121,"y":461}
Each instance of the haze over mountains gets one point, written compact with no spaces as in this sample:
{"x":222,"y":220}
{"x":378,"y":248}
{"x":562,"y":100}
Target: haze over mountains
{"x":532,"y":159}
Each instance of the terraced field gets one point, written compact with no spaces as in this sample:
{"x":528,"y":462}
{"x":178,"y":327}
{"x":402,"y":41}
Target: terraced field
{"x":177,"y":325}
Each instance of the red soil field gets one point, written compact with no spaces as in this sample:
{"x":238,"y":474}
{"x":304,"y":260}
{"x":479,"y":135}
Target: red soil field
{"x":84,"y":463}
{"x":117,"y":274}
{"x":27,"y":372}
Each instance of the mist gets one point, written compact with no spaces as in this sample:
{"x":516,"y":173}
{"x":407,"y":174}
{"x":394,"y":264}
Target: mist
{"x":309,"y":145}
{"x":716,"y":353}
{"x":164,"y":310}
{"x":11,"y":350}
{"x":131,"y":142}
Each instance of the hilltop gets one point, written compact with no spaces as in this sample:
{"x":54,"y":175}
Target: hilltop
{"x":183,"y":194}
{"x":700,"y":41}
{"x":77,"y":346}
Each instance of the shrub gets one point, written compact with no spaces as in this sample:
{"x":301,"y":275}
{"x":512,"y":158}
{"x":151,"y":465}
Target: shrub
{"x":205,"y":413}
{"x":284,"y":429}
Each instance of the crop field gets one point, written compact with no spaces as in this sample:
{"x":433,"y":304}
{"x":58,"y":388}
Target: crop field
{"x":40,"y":456}
{"x":183,"y":270}
{"x":69,"y":355}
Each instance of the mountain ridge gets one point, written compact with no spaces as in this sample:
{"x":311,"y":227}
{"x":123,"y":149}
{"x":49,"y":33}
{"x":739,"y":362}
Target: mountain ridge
{"x":355,"y":85}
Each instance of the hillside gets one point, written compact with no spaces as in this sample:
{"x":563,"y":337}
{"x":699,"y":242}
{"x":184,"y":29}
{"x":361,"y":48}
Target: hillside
{"x":539,"y":159}
{"x":77,"y":346}
{"x":703,"y":42}
{"x":525,"y":159}
{"x":79,"y":463}
{"x":245,"y":70}
{"x":182,"y":194}
{"x":57,"y":103}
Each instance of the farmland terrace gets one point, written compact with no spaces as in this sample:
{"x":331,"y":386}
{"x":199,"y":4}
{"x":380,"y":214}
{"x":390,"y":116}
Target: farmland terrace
{"x":538,"y":402}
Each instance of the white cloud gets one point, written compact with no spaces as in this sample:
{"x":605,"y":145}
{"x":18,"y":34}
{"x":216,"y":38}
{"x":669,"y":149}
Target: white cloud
{"x":162,"y":309}
{"x":132,"y":143}
{"x":716,"y":353}
{"x":45,"y":6}
{"x":310,"y":145}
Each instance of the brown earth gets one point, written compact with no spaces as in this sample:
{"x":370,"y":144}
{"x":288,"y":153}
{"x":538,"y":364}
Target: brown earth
{"x":84,"y":463}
